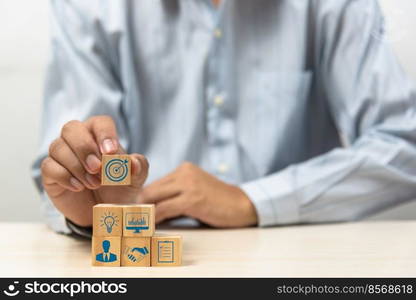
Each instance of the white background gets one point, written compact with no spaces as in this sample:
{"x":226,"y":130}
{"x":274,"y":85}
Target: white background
{"x":23,"y":55}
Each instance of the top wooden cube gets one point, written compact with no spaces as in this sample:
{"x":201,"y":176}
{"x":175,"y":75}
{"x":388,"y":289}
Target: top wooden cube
{"x":116,"y":170}
{"x":107,"y":220}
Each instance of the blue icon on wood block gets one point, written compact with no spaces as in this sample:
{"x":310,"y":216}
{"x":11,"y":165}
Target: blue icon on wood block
{"x":165,"y":251}
{"x":136,"y":254}
{"x":137,"y":221}
{"x":116,"y":169}
{"x":109,"y":220}
{"x":106,"y":255}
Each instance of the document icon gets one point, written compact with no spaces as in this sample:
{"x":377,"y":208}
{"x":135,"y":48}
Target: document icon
{"x":165,"y":251}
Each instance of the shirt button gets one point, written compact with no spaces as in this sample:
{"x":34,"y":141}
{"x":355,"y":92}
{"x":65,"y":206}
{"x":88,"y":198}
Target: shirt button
{"x":223,"y":168}
{"x":218,"y":33}
{"x":218,"y":100}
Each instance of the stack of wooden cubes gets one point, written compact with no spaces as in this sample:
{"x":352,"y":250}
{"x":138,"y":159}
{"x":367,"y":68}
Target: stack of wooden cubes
{"x":124,"y":235}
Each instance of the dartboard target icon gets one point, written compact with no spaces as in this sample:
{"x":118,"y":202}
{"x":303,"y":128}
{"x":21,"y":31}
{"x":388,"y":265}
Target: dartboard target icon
{"x":117,"y":169}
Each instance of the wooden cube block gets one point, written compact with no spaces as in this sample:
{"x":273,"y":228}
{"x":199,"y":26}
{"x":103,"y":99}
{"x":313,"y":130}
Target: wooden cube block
{"x":116,"y":170}
{"x":138,"y":220}
{"x":135,"y":251}
{"x":166,"y":251}
{"x":106,"y":251}
{"x":107,"y":220}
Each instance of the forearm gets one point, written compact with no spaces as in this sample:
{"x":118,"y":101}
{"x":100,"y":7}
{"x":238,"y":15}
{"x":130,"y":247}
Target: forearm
{"x":377,"y":172}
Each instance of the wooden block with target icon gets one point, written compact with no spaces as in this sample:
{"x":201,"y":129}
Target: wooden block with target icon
{"x":116,"y":170}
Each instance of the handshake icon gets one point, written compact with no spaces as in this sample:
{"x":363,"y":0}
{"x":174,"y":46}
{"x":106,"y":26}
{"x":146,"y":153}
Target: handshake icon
{"x":136,"y":254}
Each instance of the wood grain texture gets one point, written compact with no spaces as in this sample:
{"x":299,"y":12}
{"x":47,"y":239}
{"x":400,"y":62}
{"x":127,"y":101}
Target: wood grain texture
{"x":135,"y":251}
{"x":138,"y":220}
{"x":362,"y":249}
{"x":166,"y":251}
{"x":103,"y":255}
{"x":107,"y":220}
{"x":116,"y":170}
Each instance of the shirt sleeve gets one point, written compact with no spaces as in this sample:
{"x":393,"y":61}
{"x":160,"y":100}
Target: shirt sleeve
{"x":373,"y":106}
{"x":81,"y":81}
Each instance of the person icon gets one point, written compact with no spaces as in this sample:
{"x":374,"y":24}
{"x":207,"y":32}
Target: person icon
{"x":106,"y":256}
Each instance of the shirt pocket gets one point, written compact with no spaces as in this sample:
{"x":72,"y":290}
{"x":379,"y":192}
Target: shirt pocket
{"x":288,"y":87}
{"x":279,"y":118}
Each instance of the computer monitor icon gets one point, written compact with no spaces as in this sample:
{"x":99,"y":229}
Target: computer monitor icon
{"x":137,"y":221}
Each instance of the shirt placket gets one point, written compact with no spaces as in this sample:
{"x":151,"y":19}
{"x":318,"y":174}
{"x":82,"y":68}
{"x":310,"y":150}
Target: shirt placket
{"x":220,"y":123}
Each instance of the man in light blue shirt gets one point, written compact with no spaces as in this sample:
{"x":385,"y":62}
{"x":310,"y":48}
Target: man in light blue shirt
{"x":248,"y":112}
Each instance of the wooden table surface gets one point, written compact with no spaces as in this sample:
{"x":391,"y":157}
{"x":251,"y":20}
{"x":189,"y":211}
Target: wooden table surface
{"x":374,"y":249}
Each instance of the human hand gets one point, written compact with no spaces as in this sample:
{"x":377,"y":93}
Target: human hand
{"x":71,"y":172}
{"x":190,"y":191}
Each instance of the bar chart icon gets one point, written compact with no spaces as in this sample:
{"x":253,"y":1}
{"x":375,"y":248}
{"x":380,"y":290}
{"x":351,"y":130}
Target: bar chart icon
{"x":137,"y":221}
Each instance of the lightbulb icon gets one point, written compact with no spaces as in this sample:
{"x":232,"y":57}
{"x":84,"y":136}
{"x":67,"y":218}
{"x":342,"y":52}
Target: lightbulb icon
{"x":109,"y":220}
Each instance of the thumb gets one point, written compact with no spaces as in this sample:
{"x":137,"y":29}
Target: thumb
{"x":139,"y":170}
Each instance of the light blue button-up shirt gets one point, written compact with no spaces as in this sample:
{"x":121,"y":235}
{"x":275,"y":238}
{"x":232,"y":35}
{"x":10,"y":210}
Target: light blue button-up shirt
{"x":299,"y":102}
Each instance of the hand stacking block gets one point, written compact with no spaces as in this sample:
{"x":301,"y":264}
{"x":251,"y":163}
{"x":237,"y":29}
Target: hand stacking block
{"x":107,"y":220}
{"x":135,"y":251}
{"x":138,"y":220}
{"x":166,"y":251}
{"x":106,"y":251}
{"x":116,"y":170}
